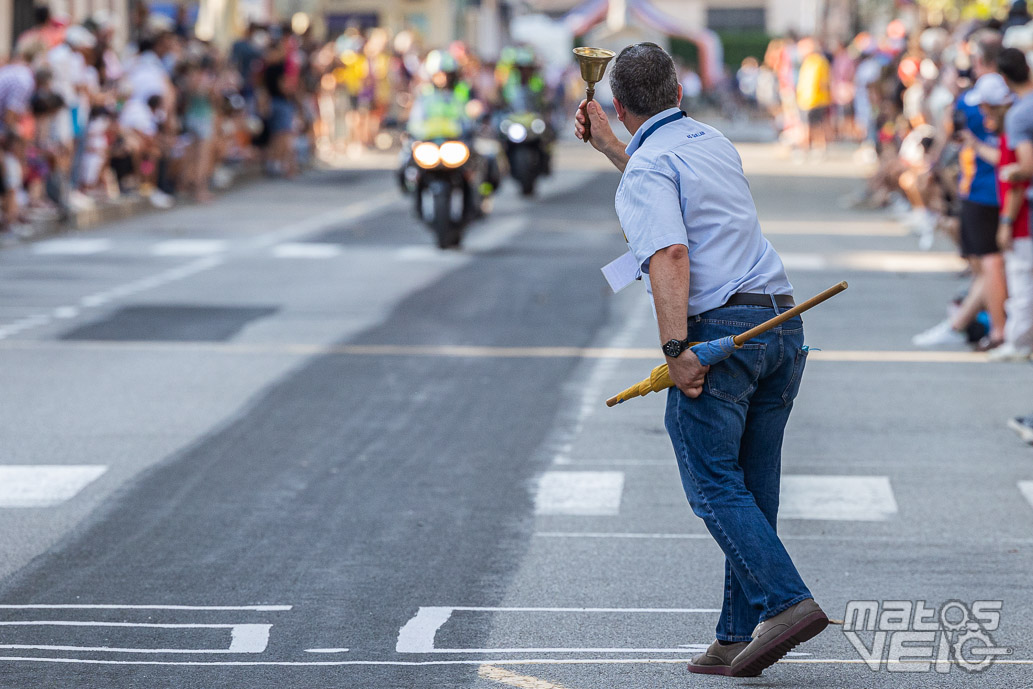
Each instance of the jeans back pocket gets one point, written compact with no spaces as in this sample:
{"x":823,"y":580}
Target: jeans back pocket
{"x":736,"y":377}
{"x":793,"y":388}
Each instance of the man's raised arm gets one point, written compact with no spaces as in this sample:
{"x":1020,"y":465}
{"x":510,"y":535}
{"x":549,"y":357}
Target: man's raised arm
{"x":602,"y":139}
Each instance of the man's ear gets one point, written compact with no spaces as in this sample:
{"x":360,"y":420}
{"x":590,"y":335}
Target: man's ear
{"x":621,"y":112}
{"x":679,"y":94}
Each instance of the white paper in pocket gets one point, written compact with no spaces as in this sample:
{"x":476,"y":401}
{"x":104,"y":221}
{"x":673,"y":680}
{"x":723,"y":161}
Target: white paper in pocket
{"x":622,"y":271}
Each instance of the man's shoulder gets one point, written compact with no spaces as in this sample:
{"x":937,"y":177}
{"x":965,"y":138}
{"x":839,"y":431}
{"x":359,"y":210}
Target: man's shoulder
{"x":661,"y":151}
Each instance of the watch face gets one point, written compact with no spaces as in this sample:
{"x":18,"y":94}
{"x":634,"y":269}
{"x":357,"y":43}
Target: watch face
{"x":672,"y":348}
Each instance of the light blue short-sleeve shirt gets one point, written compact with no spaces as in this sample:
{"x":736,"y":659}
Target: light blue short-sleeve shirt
{"x":685,"y":185}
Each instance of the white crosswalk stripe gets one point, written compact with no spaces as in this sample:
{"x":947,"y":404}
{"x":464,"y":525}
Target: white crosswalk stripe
{"x":189,"y":247}
{"x":580,"y":492}
{"x":44,"y":485}
{"x":839,"y":498}
{"x":1026,"y":487}
{"x":72,"y":247}
{"x":306,"y":250}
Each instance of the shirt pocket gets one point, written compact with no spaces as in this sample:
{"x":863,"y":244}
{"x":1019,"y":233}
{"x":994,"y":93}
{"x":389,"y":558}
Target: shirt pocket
{"x":735,"y":378}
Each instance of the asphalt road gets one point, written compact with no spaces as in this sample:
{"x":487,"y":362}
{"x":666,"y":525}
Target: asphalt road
{"x":282,"y":440}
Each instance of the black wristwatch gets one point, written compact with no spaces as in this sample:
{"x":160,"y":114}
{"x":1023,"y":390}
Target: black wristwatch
{"x":673,"y":348}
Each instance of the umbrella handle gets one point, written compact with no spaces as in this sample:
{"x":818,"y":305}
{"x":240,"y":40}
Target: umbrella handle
{"x":791,"y":313}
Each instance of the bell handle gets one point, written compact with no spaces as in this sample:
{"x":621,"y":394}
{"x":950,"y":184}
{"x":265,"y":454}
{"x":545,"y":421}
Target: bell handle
{"x":589,"y":96}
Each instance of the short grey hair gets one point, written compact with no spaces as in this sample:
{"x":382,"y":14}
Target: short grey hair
{"x":644,"y":80}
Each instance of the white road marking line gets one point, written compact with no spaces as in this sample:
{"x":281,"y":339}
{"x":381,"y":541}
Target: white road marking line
{"x":585,"y":493}
{"x":567,"y":462}
{"x":489,"y":352}
{"x":244,"y":638}
{"x":189,"y":247}
{"x":794,"y":261}
{"x":425,"y":253}
{"x":784,"y":537}
{"x":306,"y":250}
{"x":106,"y":606}
{"x":71,"y":247}
{"x":865,"y":228}
{"x":417,"y":635}
{"x":157,"y":280}
{"x":1026,"y":487}
{"x":497,"y":674}
{"x":876,"y":261}
{"x":65,"y":312}
{"x":849,"y":498}
{"x":44,"y":485}
{"x":326,"y":650}
{"x":428,"y":663}
{"x":632,"y":536}
{"x":327,"y":220}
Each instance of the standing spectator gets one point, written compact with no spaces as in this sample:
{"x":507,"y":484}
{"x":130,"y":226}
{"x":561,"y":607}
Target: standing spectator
{"x":17,"y":84}
{"x":77,"y":83}
{"x":842,"y":76}
{"x":280,"y":120}
{"x":197,"y":107}
{"x":813,"y":96}
{"x":977,"y":188}
{"x":1018,"y":14}
{"x":46,"y":30}
{"x":1014,"y":234}
{"x":746,"y":78}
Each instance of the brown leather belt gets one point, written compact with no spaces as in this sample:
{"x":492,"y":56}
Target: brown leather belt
{"x":754,"y":299}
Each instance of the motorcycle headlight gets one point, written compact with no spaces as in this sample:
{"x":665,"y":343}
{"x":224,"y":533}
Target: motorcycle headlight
{"x":426,"y":154}
{"x":517,"y":132}
{"x":454,"y":153}
{"x":538,"y":126}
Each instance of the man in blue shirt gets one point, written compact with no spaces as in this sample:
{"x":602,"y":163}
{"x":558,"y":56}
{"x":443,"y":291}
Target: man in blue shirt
{"x":686,"y":210}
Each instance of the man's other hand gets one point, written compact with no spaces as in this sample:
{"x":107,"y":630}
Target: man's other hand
{"x":687,"y":373}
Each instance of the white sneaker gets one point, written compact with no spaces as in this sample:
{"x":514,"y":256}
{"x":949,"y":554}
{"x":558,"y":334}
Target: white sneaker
{"x":79,"y":201}
{"x":1023,"y":425}
{"x":1008,"y":352}
{"x":900,"y":208}
{"x":160,"y":199}
{"x":940,"y":334}
{"x":222,"y":178}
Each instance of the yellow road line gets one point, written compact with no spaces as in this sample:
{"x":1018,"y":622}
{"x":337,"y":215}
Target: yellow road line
{"x":473,"y":351}
{"x":497,"y":674}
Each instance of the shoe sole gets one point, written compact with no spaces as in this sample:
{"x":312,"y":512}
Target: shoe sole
{"x":723,"y":670}
{"x":807,"y":628}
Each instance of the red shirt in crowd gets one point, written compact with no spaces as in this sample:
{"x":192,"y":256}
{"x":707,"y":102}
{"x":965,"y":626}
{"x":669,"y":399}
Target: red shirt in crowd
{"x":1020,"y":228}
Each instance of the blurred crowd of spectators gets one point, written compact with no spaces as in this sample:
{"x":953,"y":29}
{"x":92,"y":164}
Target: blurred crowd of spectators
{"x":941,"y":112}
{"x":168,"y":116}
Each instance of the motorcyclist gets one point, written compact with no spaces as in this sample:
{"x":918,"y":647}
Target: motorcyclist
{"x":524,"y":94}
{"x":524,"y":90}
{"x":439,"y":110}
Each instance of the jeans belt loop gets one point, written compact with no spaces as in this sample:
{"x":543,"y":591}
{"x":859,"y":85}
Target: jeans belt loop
{"x":774,"y":304}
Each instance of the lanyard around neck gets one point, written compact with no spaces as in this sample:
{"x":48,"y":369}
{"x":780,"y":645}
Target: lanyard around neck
{"x":673,"y":117}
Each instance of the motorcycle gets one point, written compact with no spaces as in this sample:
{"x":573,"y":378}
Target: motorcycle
{"x":523,"y":136}
{"x":450,"y":186}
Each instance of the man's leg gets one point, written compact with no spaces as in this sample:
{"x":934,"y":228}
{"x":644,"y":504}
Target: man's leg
{"x":706,"y":434}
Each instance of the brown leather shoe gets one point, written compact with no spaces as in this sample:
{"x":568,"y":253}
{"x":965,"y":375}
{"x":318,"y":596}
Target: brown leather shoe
{"x":717,"y":660}
{"x":776,"y":636}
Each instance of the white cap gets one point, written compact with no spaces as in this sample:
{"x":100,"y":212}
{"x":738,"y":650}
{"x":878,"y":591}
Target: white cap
{"x":990,"y":89}
{"x":80,"y":37}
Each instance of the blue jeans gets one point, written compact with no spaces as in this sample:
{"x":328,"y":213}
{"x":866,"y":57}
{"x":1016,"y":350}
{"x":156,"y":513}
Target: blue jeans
{"x":728,"y":442}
